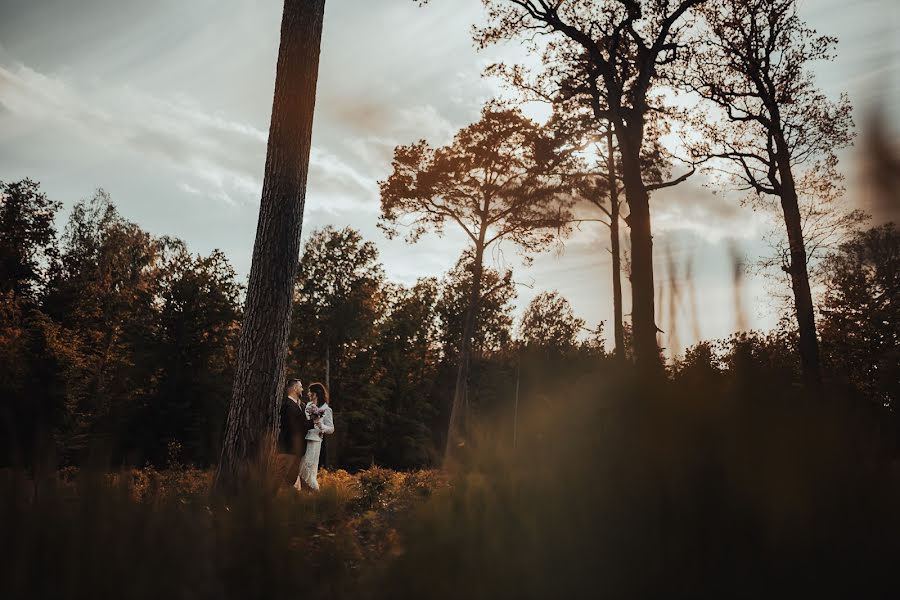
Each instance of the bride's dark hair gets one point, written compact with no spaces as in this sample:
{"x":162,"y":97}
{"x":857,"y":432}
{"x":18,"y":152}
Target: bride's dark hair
{"x":321,"y":393}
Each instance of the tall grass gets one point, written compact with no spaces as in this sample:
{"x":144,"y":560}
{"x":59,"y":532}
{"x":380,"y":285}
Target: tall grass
{"x":670,"y":490}
{"x":711,"y":485}
{"x":143,"y":534}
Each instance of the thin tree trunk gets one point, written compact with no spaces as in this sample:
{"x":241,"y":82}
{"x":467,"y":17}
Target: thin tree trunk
{"x":516,"y":406}
{"x":329,"y":442}
{"x":253,"y":415}
{"x":618,"y":328}
{"x":643,"y":320}
{"x":456,"y":434}
{"x":806,"y":320}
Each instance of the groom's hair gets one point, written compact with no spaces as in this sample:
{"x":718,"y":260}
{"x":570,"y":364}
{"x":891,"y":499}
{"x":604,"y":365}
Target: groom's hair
{"x":291,"y":383}
{"x":320,"y":391}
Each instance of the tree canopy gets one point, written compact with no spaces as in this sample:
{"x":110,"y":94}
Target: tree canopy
{"x":498,"y":179}
{"x":550,"y":324}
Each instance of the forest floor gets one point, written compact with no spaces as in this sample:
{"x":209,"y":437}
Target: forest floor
{"x":673,"y":492}
{"x":161,"y":529}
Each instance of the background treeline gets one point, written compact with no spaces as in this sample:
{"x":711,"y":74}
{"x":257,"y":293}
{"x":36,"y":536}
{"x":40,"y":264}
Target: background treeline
{"x":113,"y":341}
{"x":119,"y":345}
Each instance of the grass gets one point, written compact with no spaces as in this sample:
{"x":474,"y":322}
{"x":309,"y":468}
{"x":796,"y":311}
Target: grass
{"x":616,"y":490}
{"x":152,"y":534}
{"x":640,"y":492}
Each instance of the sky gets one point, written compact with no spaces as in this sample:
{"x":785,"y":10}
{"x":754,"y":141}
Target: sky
{"x":166,"y":106}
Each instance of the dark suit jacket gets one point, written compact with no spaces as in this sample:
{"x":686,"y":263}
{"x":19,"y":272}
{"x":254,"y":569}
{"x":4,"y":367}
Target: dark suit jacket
{"x":291,"y":438}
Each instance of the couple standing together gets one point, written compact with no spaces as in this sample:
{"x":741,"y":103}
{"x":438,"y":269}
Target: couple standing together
{"x":304,"y":425}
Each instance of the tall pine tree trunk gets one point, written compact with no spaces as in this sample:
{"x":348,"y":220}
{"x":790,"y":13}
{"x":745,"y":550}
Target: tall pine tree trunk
{"x":253,"y":416}
{"x":456,"y":432}
{"x":799,"y":273}
{"x":618,"y":327}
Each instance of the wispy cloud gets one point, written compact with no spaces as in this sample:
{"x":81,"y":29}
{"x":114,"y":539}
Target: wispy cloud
{"x":714,"y":216}
{"x":213,"y":154}
{"x":209,"y":155}
{"x":173,"y":113}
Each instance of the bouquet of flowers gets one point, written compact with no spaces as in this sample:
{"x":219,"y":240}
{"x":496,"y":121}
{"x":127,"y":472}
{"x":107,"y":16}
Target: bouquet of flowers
{"x":313,"y":412}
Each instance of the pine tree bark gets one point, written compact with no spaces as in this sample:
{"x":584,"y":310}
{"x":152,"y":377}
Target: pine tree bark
{"x":456,"y":432}
{"x":253,"y":415}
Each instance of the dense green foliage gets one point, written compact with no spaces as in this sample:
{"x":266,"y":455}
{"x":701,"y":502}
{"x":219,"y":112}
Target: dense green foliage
{"x":860,"y":325}
{"x":118,"y":344}
{"x":126,"y":349}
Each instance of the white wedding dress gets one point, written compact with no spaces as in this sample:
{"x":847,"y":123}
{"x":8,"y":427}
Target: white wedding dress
{"x":309,"y":465}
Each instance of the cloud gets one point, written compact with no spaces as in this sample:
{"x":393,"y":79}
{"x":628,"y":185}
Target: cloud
{"x":688,"y":207}
{"x":189,"y":189}
{"x":335,"y":187}
{"x":149,"y":110}
{"x":714,"y":216}
{"x":215,"y":153}
{"x":398,"y":125}
{"x":212,"y":156}
{"x":172,"y":114}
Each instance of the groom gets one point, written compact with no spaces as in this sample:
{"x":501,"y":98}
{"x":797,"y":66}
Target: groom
{"x":292,"y":435}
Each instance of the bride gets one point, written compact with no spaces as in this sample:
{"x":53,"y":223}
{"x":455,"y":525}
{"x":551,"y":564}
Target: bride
{"x":317,"y":411}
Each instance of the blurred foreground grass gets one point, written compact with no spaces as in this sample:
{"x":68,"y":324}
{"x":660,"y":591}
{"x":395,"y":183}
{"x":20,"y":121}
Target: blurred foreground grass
{"x":616,"y":489}
{"x":157,"y":534}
